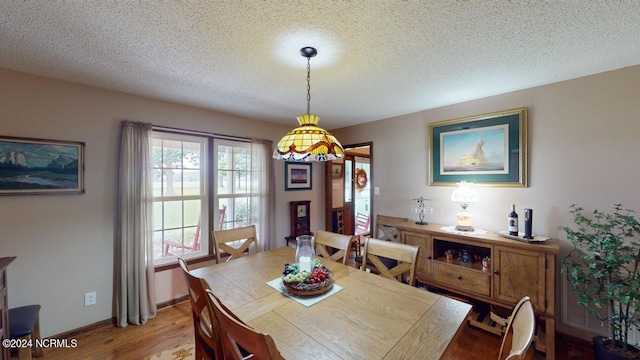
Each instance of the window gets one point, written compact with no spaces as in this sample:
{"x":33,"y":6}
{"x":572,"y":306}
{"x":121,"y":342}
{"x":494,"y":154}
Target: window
{"x":203,"y":183}
{"x":236,"y":184}
{"x":180,"y":199}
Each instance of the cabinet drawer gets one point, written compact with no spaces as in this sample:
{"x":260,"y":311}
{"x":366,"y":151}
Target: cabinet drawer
{"x":462,"y":278}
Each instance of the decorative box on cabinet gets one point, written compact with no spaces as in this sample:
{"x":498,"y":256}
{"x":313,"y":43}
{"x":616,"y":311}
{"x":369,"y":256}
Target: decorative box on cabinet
{"x":516,"y":269}
{"x":4,"y":305}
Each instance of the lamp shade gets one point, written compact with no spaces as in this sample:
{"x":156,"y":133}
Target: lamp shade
{"x":464,"y":193}
{"x":308,"y":142}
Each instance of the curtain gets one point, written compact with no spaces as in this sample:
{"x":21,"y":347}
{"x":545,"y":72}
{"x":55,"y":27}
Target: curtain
{"x":135,"y":290}
{"x":263,"y":204}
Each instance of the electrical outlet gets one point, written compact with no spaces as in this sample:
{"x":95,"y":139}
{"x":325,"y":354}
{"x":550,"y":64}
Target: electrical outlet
{"x":90,"y":298}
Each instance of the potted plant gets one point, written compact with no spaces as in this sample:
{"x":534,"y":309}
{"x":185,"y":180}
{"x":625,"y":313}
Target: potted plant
{"x":603,"y":269}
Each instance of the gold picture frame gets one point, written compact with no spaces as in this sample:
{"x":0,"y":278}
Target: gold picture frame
{"x":488,"y":149}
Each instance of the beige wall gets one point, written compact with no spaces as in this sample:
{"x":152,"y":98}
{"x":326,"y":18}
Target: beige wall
{"x":583,"y":148}
{"x":64,"y":243}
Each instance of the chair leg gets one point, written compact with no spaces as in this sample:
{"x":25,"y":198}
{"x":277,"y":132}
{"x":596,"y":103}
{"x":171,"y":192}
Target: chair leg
{"x":37,"y":349}
{"x":356,"y":244}
{"x":24,"y":353}
{"x":199,"y":349}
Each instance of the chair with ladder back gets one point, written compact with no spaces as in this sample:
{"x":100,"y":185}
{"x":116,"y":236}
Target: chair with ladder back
{"x":207,"y":337}
{"x":235,"y":242}
{"x":333,"y":246}
{"x":239,"y":341}
{"x":403,"y":255}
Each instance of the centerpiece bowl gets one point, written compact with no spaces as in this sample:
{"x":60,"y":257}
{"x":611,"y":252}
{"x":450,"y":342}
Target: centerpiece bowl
{"x":303,"y":283}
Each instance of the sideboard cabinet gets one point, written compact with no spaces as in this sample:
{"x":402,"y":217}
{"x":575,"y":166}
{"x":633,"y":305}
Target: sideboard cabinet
{"x":511,"y":269}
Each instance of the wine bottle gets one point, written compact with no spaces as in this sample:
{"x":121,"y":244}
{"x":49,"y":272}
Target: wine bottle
{"x":513,"y":221}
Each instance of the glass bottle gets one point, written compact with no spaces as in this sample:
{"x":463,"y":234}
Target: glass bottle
{"x":513,"y":221}
{"x":305,"y":252}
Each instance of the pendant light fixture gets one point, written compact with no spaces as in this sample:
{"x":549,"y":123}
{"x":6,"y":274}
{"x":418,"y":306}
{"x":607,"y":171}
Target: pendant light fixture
{"x":308,"y":142}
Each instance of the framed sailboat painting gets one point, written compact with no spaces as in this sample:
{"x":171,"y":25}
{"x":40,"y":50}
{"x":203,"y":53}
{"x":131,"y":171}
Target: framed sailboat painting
{"x":488,"y":149}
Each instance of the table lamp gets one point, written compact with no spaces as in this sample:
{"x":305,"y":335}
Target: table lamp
{"x":464,"y":195}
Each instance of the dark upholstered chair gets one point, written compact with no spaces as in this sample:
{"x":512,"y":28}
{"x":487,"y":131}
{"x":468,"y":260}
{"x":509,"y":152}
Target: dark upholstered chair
{"x":24,"y":323}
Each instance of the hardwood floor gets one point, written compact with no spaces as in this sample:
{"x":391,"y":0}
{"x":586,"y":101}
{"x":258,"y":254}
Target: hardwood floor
{"x":173,"y":325}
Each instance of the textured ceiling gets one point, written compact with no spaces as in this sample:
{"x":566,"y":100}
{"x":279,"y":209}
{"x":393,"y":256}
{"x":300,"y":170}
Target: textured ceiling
{"x":376,"y":59}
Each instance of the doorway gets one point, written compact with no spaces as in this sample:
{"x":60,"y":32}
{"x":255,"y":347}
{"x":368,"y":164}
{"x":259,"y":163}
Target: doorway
{"x":348,"y":194}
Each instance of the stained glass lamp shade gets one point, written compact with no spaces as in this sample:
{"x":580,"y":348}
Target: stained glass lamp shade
{"x":308,"y":142}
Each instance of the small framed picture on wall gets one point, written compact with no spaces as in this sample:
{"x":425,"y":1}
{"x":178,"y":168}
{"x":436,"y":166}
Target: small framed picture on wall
{"x":337,"y":170}
{"x":297,"y":176}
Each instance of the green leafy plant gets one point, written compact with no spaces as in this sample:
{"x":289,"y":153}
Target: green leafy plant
{"x":603,"y":267}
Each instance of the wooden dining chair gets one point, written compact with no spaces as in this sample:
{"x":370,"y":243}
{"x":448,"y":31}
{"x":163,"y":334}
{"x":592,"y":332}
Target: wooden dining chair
{"x":405,"y":256}
{"x":333,"y":246}
{"x":238,"y":339}
{"x":520,"y":329}
{"x":386,"y":227}
{"x":235,"y":242}
{"x":207,"y":338}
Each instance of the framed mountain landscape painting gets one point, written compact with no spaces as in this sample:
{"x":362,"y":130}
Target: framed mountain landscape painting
{"x":35,"y":166}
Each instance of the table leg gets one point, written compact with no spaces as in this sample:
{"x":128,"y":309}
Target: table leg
{"x":550,"y":329}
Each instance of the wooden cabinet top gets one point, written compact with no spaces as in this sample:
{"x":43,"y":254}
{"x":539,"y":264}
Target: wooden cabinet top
{"x":551,"y":246}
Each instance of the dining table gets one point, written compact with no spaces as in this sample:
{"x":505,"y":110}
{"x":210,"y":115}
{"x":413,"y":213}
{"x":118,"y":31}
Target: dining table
{"x":364,"y":315}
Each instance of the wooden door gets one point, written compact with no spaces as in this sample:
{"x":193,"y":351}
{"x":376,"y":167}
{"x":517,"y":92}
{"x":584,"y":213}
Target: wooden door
{"x":345,"y":188}
{"x":518,"y":273}
{"x":348,"y":191}
{"x":424,"y":264}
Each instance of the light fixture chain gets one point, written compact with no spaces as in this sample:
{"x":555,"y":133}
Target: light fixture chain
{"x":308,"y":85}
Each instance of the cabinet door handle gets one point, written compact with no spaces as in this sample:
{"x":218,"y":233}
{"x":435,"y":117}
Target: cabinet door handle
{"x":429,"y":257}
{"x":459,"y":277}
{"x":496,"y":272}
